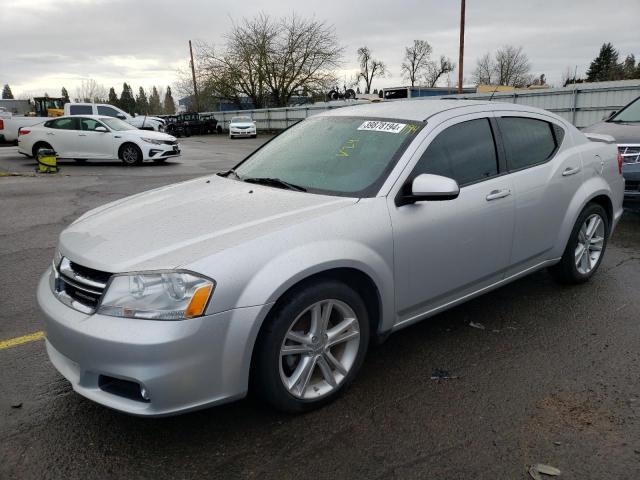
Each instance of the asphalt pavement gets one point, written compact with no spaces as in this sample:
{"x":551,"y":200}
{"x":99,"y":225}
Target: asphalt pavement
{"x":546,"y":374}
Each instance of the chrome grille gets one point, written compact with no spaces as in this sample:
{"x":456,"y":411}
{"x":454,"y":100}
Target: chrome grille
{"x":630,"y":153}
{"x":79,"y":287}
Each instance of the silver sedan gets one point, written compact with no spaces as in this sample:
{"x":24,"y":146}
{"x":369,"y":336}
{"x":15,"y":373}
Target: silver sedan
{"x":345,"y":228}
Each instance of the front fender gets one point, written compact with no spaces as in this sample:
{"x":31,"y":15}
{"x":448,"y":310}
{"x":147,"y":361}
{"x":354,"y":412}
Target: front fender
{"x":281,"y":273}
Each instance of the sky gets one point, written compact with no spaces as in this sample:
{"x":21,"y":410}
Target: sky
{"x":48,"y":44}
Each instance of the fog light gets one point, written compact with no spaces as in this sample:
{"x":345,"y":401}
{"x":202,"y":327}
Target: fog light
{"x":144,"y":393}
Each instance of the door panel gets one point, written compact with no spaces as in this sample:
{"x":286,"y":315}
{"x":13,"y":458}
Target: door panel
{"x":542,"y":192}
{"x":447,"y":249}
{"x":92,"y":144}
{"x":63,"y":137}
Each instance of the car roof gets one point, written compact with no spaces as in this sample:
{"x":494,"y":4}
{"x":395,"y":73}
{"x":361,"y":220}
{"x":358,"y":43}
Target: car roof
{"x":421,"y":109}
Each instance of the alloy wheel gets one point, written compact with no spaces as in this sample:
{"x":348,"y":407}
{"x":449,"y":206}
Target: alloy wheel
{"x":319,"y":349}
{"x":130,"y":154}
{"x":590,"y":242}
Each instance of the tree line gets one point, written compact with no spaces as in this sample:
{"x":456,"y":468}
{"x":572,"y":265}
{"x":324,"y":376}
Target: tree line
{"x":158,"y":101}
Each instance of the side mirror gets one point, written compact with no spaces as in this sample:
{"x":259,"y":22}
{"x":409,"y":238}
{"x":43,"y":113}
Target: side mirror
{"x":100,"y":129}
{"x":430,"y":187}
{"x":121,"y":116}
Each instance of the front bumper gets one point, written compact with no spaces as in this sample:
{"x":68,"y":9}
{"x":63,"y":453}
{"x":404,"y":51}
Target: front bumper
{"x":183,"y":365}
{"x":151,"y":151}
{"x":238,"y":132}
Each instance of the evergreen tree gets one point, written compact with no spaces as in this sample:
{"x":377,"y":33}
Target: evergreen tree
{"x":629,"y":68}
{"x":65,"y":95}
{"x":127,"y":102}
{"x":605,"y":66}
{"x":113,"y":98}
{"x":6,"y":92}
{"x":142,"y":104}
{"x":169,"y":104}
{"x":154,"y":102}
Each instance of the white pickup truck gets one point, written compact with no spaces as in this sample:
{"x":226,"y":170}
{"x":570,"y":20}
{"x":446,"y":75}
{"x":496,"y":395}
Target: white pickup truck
{"x":143,"y":122}
{"x":10,"y":124}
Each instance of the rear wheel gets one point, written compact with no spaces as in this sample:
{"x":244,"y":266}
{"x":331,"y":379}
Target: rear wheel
{"x":40,"y":146}
{"x":130,"y":154}
{"x":585,"y":248}
{"x":312,"y":347}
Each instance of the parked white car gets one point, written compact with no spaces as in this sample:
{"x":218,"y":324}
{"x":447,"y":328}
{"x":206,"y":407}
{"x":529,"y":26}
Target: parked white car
{"x":242,"y":127}
{"x":143,"y":122}
{"x":97,"y":137}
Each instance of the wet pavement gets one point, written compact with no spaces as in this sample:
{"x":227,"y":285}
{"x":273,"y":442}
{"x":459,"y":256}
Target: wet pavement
{"x":554,"y":376}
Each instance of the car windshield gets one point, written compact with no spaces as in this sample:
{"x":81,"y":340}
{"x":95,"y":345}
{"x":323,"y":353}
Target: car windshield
{"x":240,"y":119}
{"x":117,"y":124}
{"x":630,"y":113}
{"x":344,"y":156}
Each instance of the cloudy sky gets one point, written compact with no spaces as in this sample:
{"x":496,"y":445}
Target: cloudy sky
{"x":47,"y":44}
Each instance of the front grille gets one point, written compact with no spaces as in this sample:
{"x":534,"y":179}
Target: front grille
{"x":630,"y":153}
{"x":170,"y":142}
{"x":79,"y":287}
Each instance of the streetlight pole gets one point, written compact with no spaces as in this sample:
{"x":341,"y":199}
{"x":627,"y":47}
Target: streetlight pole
{"x":461,"y":57}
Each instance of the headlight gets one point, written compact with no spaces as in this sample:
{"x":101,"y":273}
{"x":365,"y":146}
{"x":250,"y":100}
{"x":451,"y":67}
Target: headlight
{"x":157,"y":296}
{"x":151,"y":140}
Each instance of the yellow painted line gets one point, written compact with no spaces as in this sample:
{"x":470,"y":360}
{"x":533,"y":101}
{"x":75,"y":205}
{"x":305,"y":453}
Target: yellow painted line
{"x":14,"y":342}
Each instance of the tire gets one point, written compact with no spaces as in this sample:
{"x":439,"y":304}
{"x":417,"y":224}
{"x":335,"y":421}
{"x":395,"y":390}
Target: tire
{"x":40,"y":146}
{"x":130,"y":154}
{"x":573,"y":270}
{"x":347,"y":346}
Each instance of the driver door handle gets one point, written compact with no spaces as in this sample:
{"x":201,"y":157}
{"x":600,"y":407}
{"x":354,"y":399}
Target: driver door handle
{"x":570,"y":171}
{"x":496,"y":194}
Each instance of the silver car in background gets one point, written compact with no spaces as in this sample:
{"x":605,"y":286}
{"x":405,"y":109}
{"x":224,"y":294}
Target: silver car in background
{"x":343,"y":229}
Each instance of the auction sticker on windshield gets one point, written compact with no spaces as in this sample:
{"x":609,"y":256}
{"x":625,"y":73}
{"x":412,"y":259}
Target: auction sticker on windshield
{"x":377,"y":126}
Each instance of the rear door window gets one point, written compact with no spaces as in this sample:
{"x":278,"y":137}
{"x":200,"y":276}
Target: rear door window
{"x":527,"y":141}
{"x":89,"y":124}
{"x":80,"y":110}
{"x":465,"y":152}
{"x":65,"y":124}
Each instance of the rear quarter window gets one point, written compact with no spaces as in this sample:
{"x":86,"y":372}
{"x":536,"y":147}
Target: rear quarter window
{"x":527,"y":141}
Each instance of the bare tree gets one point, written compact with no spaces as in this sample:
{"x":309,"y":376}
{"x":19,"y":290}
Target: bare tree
{"x":91,"y":91}
{"x":416,"y":60}
{"x":484,"y":73}
{"x":369,"y":68}
{"x":269,"y":60}
{"x":508,"y":66}
{"x":435,"y":70}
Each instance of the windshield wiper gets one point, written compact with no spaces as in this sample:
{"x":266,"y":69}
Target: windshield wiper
{"x":274,"y":182}
{"x":229,"y":172}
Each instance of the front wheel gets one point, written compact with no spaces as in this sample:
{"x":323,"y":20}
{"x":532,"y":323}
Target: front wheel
{"x":585,"y":248}
{"x":130,"y":154}
{"x":312,"y":347}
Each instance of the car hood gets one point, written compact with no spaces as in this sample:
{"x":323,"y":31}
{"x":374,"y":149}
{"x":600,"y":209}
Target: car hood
{"x":181,"y":223}
{"x":623,"y":133}
{"x":152,"y":134}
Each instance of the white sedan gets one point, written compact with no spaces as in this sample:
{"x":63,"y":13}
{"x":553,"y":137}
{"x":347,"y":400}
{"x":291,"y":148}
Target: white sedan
{"x":242,"y":127}
{"x":97,"y":137}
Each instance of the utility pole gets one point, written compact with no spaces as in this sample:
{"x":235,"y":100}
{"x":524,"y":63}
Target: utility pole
{"x":461,"y":58}
{"x":193,"y":73}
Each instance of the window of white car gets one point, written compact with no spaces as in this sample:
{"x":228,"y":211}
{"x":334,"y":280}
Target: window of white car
{"x":117,"y":124}
{"x":109,"y":111}
{"x":66,"y":123}
{"x":631,"y":113}
{"x":345,"y":156}
{"x":80,"y":109}
{"x":241,"y":120}
{"x":89,"y":124}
